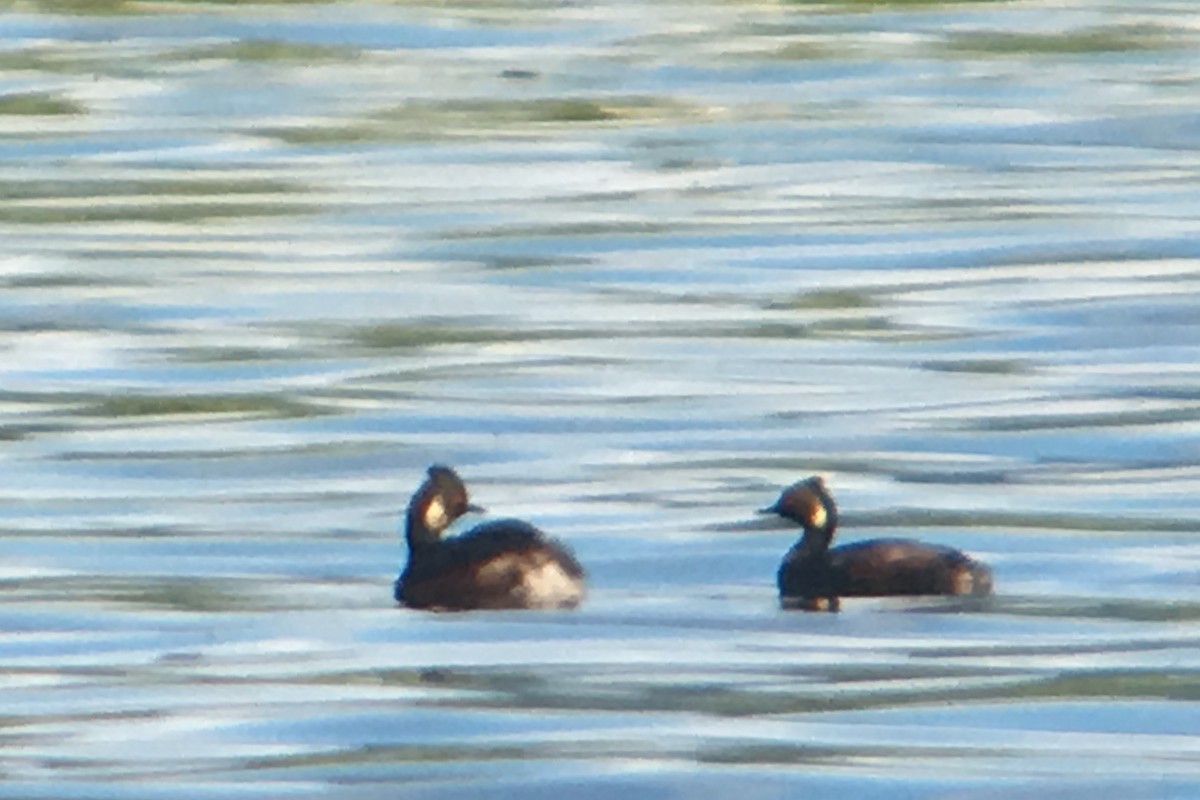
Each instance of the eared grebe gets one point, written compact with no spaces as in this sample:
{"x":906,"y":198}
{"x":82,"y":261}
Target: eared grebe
{"x":813,"y":576}
{"x":505,"y":563}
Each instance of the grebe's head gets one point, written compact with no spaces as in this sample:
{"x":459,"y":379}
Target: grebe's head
{"x":441,"y":499}
{"x":808,"y":503}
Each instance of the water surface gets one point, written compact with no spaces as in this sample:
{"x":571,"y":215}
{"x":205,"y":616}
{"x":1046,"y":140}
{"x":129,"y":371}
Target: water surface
{"x":631,"y":268}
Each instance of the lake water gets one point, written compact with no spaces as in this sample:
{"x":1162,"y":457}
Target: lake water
{"x":631,"y":268}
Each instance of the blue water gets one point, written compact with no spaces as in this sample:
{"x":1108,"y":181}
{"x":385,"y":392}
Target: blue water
{"x":630,"y":268}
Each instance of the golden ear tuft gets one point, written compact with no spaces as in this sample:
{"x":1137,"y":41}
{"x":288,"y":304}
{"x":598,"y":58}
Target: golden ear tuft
{"x":436,"y":518}
{"x":819,"y":516}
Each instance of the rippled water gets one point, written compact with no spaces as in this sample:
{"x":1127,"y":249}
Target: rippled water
{"x":631,"y":267}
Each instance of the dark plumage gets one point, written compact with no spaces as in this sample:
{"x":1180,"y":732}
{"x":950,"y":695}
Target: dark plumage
{"x":813,"y":576}
{"x":505,"y":563}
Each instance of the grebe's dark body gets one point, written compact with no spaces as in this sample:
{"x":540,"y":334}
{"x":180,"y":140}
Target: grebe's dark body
{"x":813,"y":575}
{"x":504,"y":563}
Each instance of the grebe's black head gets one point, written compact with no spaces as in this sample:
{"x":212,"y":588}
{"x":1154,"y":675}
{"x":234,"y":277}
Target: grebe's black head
{"x":441,"y":499}
{"x":810,"y":504}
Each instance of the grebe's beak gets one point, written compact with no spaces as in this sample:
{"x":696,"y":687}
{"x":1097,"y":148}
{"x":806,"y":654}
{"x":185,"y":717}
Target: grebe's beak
{"x":474,"y":509}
